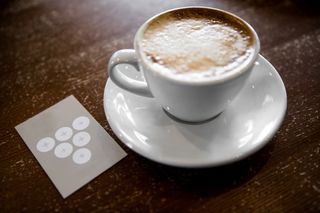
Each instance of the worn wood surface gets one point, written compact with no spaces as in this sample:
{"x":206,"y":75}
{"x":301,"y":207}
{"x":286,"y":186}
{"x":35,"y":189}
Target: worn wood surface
{"x":50,"y":49}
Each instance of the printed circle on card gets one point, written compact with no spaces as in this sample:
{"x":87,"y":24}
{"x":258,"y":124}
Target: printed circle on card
{"x":80,"y":123}
{"x":81,"y":156}
{"x":45,"y":144}
{"x":63,"y":133}
{"x":81,"y":139}
{"x":63,"y":150}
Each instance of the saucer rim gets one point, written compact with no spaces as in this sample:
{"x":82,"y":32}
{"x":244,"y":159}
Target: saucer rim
{"x":214,"y":163}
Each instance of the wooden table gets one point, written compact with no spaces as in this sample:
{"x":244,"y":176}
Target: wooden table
{"x":50,"y":49}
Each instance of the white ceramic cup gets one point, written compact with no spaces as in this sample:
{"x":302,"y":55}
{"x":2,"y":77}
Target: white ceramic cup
{"x":186,"y":100}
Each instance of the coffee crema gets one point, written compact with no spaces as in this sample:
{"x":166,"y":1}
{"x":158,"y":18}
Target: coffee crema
{"x":197,"y":41}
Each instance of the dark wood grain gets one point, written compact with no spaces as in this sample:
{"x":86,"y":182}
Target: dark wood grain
{"x":50,"y":49}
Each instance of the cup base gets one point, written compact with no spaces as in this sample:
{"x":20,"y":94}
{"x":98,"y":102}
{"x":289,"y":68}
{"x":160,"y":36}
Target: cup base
{"x":190,"y":122}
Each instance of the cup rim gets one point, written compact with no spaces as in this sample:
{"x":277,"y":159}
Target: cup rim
{"x":236,"y":72}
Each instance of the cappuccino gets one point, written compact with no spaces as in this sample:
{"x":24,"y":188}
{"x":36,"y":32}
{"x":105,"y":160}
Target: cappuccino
{"x":196,"y":43}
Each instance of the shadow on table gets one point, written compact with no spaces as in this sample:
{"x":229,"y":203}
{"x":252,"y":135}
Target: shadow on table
{"x":213,"y":181}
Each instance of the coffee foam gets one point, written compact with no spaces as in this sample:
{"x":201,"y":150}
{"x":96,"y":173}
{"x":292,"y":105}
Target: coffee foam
{"x":196,"y":44}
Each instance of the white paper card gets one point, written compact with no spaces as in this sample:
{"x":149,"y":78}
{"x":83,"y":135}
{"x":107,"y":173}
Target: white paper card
{"x":70,"y":145}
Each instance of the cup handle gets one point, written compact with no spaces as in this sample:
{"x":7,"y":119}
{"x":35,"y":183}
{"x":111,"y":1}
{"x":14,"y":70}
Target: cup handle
{"x":127,"y":56}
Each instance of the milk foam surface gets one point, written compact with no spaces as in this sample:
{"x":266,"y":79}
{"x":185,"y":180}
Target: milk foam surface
{"x":195,"y":45}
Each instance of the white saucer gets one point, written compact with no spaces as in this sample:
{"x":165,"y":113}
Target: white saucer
{"x":244,"y":127}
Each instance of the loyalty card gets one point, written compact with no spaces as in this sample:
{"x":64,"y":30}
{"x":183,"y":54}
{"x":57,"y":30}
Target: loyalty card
{"x":70,"y":145}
